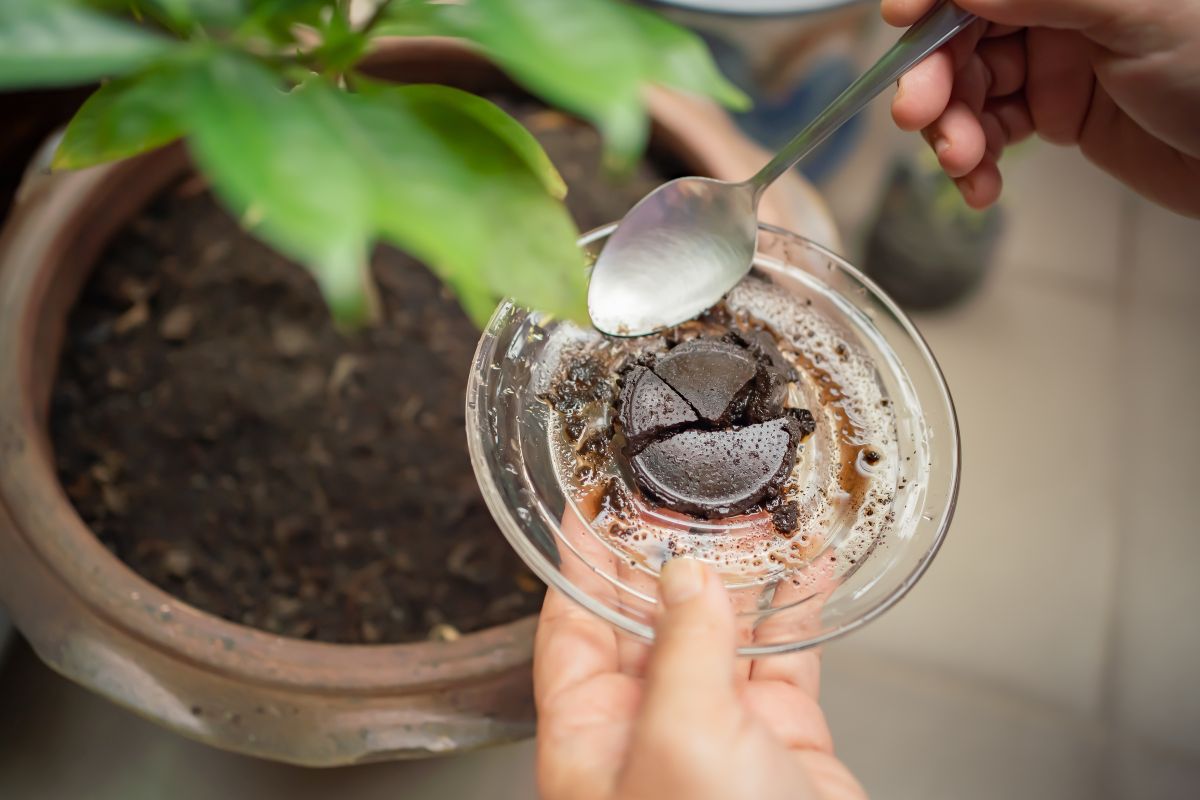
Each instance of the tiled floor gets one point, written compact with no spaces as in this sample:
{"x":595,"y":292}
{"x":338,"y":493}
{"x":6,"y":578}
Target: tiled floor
{"x":1052,"y":651}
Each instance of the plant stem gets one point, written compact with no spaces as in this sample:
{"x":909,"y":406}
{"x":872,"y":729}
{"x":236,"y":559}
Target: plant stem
{"x":375,"y":315}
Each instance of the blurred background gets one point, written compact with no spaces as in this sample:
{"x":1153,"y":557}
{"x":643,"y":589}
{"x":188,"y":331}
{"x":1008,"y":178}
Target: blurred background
{"x":1052,"y":651}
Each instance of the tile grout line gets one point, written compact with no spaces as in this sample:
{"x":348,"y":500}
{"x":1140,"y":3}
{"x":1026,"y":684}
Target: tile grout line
{"x":1125,"y":288}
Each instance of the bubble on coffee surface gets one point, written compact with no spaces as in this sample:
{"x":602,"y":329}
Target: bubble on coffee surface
{"x":832,"y":507}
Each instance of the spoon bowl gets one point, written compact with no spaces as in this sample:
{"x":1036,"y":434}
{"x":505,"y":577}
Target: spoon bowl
{"x":707,"y":229}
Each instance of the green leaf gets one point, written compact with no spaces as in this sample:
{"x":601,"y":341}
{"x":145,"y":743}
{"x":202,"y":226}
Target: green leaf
{"x":55,"y":43}
{"x":275,"y":159}
{"x":341,"y":45}
{"x":591,"y":57}
{"x":126,"y":117}
{"x":198,"y":12}
{"x":320,"y":173}
{"x":276,"y":19}
{"x":678,"y":58}
{"x":522,"y":143}
{"x":499,"y":233}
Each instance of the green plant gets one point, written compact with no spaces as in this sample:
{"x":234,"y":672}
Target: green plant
{"x":320,"y":161}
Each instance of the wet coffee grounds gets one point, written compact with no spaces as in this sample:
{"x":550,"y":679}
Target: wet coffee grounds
{"x":707,"y":430}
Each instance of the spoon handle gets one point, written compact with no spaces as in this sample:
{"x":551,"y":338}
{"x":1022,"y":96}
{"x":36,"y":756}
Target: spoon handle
{"x":933,"y":30}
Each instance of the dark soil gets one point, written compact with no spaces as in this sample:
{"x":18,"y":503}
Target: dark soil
{"x":225,"y":441}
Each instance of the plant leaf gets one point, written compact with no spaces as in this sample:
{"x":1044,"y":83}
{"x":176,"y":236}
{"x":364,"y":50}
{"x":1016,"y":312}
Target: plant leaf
{"x":592,"y":57}
{"x":341,"y":45}
{"x":56,"y":43}
{"x":127,"y":116}
{"x":319,"y":173}
{"x":678,"y":58}
{"x":523,"y":143}
{"x":276,"y":19}
{"x":501,"y":234}
{"x":275,"y":160}
{"x":198,"y":12}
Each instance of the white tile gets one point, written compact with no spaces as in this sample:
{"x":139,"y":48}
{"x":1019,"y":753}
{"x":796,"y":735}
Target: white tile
{"x":1021,"y":591}
{"x":1157,"y":665}
{"x":920,"y":733}
{"x":1063,"y":218}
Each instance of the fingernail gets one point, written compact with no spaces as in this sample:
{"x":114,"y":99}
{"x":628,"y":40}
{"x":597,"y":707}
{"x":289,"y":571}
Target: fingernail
{"x":940,"y":145}
{"x":681,"y":580}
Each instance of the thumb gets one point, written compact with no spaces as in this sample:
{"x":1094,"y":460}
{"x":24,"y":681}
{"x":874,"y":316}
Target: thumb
{"x":690,"y":674}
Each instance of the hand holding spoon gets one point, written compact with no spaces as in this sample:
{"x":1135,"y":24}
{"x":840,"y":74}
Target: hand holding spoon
{"x":687,"y":243}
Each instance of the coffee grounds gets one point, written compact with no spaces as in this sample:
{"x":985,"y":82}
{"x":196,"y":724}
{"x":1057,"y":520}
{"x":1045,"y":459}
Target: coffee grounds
{"x":706,"y":428}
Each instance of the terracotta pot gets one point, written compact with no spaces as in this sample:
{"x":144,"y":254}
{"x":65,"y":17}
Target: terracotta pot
{"x":100,"y":624}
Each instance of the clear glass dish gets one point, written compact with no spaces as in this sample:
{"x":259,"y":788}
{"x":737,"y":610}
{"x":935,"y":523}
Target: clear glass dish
{"x":869,"y":528}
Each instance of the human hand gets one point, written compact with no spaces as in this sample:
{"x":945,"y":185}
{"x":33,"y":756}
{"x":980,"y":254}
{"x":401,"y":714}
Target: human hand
{"x":682,"y":719}
{"x":1119,"y":79}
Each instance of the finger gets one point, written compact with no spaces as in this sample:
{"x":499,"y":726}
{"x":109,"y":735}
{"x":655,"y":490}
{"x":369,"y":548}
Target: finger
{"x":1060,"y":84}
{"x":633,"y":656}
{"x":746,"y":611}
{"x":689,"y":678}
{"x":963,"y":45}
{"x":958,"y":139}
{"x":1063,"y":14}
{"x":971,"y":84}
{"x":995,"y":31}
{"x":1066,"y":14}
{"x":572,"y":645}
{"x":924,"y":92}
{"x":981,"y":187}
{"x":903,"y":13}
{"x":797,"y":605}
{"x":800,"y":670}
{"x":1012,"y":114}
{"x":792,"y":716}
{"x":1005,"y":121}
{"x":633,"y":653}
{"x":1004,"y":60}
{"x":993,"y":133}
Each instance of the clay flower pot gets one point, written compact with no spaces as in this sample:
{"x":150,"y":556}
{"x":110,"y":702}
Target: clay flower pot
{"x":97,"y":622}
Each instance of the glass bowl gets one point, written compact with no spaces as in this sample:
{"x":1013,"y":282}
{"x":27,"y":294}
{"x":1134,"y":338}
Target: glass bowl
{"x":869,"y":528}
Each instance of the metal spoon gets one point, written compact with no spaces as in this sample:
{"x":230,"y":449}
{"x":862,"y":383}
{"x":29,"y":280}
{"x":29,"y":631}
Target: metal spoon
{"x":687,"y":243}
